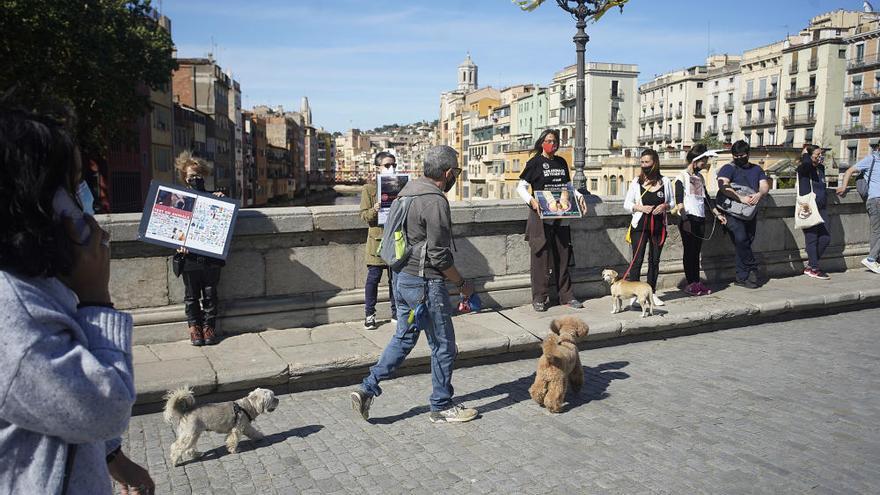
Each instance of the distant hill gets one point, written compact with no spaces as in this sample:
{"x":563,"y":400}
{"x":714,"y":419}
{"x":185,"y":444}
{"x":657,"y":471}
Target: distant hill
{"x":402,"y":128}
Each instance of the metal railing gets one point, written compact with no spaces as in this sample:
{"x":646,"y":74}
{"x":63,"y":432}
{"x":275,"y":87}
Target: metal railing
{"x":699,"y":113}
{"x":759,"y":121}
{"x":714,"y":109}
{"x":862,"y":95}
{"x":864,"y":62}
{"x":657,"y":117}
{"x":793,"y":68}
{"x":858,"y":129}
{"x":801,"y":93}
{"x":678,"y":114}
{"x":727,"y":128}
{"x":813,"y":64}
{"x":796,"y":120}
{"x":618,"y":96}
{"x":617,"y":121}
{"x":728,"y":107}
{"x":753,"y":97}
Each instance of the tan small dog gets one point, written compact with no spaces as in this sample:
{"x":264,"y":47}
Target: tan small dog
{"x":560,"y":365}
{"x":621,"y":289}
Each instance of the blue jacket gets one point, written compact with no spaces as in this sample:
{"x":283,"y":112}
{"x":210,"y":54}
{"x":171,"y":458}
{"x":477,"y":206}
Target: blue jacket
{"x":66,"y":379}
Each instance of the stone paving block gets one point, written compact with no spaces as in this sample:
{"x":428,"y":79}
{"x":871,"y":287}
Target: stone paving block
{"x":842,"y":298}
{"x":335,"y":332}
{"x":153,"y":380}
{"x":870,"y":294}
{"x":244,"y":362}
{"x":142,"y":354}
{"x":380,"y":337}
{"x":475,"y":340}
{"x":176,"y":350}
{"x":519,"y":339}
{"x":287,"y":338}
{"x":321,"y":357}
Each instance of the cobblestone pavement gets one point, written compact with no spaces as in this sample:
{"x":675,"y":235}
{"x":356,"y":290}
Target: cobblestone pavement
{"x":778,"y":408}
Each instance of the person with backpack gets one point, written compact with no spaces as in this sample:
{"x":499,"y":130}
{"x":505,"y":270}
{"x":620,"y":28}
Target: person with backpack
{"x":811,"y":178}
{"x":693,"y":203}
{"x":385,"y":165}
{"x":746,"y":185}
{"x":423,"y":264}
{"x":869,"y":168}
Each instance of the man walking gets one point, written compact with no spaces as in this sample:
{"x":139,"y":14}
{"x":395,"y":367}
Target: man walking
{"x":870,"y":168}
{"x":385,"y":165}
{"x":742,"y":232}
{"x":429,"y":224}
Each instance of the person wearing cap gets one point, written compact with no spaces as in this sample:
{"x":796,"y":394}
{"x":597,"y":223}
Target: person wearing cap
{"x":811,"y":177}
{"x":869,"y":167}
{"x":692,"y":203}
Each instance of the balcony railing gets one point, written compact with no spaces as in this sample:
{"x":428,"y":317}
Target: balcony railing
{"x":714,"y":109}
{"x":872,"y":129}
{"x":678,"y":114}
{"x":862,"y":95}
{"x":657,"y":117}
{"x":618,"y":96}
{"x":677,"y":137}
{"x":864,"y":62}
{"x":698,"y":136}
{"x":727,"y":129}
{"x":793,"y":68}
{"x":728,"y":107}
{"x":813,"y":64}
{"x":617,"y":121}
{"x":699,"y":113}
{"x":801,"y":93}
{"x":753,"y":97}
{"x":799,"y":120}
{"x":644,"y":139}
{"x":712,"y":131}
{"x":566,"y":97}
{"x":758,"y":122}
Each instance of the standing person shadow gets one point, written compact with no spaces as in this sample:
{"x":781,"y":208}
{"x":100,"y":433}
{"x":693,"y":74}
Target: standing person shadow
{"x":597,"y":380}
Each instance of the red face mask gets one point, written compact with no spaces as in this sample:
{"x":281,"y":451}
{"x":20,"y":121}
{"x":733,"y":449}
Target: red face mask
{"x":549,"y":148}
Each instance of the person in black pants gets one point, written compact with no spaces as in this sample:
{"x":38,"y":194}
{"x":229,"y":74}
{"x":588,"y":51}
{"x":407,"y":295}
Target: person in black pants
{"x":742,"y":232}
{"x":201,"y":274}
{"x":693,"y":203}
{"x":811,"y":177}
{"x":649,"y":197}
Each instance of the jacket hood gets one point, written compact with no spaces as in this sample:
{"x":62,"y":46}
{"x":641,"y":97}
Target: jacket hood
{"x":420,"y":186}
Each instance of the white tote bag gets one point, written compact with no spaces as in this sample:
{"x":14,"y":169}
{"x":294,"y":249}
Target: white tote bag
{"x":806,"y":213}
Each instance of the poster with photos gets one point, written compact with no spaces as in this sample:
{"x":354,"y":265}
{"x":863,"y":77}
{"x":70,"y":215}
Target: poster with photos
{"x":387,"y":189}
{"x":198,"y":221}
{"x":557,"y":202}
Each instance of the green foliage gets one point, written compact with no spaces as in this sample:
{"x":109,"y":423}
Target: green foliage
{"x":711,"y":141}
{"x":98,"y":57}
{"x":604,"y":6}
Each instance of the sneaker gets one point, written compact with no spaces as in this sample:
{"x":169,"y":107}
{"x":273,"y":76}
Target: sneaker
{"x":704,"y":290}
{"x":455,"y":414}
{"x":817,"y":273}
{"x":753,"y":278}
{"x":693,"y":289}
{"x":634,"y":303}
{"x":210,"y":335}
{"x":370,"y":322}
{"x":195,"y":335}
{"x":657,"y":301}
{"x":539,"y":307}
{"x":748,"y":284}
{"x":361,"y":402}
{"x":394,"y":318}
{"x":575,"y":304}
{"x":871,"y":265}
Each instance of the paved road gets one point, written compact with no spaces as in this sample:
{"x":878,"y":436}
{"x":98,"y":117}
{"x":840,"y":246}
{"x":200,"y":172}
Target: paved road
{"x":778,"y":408}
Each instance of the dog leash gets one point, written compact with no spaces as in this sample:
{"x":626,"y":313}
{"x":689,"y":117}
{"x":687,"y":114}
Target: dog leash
{"x":639,"y":247}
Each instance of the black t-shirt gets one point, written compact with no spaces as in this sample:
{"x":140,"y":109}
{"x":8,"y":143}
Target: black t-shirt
{"x":541,"y":172}
{"x":651,"y":198}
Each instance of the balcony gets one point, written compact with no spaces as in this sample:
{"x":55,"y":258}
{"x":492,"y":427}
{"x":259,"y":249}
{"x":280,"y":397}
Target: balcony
{"x":714,"y":109}
{"x":803,"y":120}
{"x":657,"y":117}
{"x":677,"y":137}
{"x":644,"y":139}
{"x":750,"y":123}
{"x":698,"y":136}
{"x":793,"y":68}
{"x":617,"y":121}
{"x":618,"y":96}
{"x":565,"y":97}
{"x":727,"y":129}
{"x":858,"y":130}
{"x":801,"y":93}
{"x":861,"y":95}
{"x":813,"y":64}
{"x":678,"y":114}
{"x":662,"y":137}
{"x":728,"y":107}
{"x":712,"y":131}
{"x":755,"y":97}
{"x":614,"y":144}
{"x":863,"y":63}
{"x":699,"y":113}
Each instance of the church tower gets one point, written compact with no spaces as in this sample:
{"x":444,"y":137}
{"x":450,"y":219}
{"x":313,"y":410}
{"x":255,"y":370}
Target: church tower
{"x":467,"y":75}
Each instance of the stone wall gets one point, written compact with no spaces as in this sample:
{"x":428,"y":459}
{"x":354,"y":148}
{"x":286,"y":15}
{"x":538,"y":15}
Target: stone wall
{"x":296,"y":267}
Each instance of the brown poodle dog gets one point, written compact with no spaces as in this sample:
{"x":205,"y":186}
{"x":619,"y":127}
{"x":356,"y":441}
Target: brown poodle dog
{"x":560,"y":365}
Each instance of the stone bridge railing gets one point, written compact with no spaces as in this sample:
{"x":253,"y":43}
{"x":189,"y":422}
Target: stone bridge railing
{"x":296,"y":267}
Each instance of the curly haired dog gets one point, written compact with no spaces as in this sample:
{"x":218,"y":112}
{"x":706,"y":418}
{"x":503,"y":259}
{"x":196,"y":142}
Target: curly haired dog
{"x":233,"y":418}
{"x":560,"y":366}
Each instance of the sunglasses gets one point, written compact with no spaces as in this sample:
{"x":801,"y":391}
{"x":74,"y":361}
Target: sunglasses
{"x":456,"y":171}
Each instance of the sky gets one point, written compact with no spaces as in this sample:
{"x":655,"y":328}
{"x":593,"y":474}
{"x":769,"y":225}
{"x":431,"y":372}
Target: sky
{"x":365,"y":63}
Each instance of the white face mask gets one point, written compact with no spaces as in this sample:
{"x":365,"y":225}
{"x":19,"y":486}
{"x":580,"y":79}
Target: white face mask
{"x":387,"y":170}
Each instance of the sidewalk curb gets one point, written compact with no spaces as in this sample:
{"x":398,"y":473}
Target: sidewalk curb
{"x":249,"y":361}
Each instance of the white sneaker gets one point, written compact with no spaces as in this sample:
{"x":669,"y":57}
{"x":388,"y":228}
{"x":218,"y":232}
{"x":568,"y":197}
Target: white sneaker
{"x":871,"y":265}
{"x":657,"y":301}
{"x":634,"y":303}
{"x":455,"y":414}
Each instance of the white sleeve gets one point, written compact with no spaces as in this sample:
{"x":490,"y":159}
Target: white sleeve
{"x":631,"y":196}
{"x":522,"y":188}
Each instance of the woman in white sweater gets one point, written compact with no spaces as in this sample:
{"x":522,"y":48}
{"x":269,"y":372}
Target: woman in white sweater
{"x":649,"y":198}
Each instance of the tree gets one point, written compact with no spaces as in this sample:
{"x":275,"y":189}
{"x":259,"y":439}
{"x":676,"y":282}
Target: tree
{"x":601,"y":6}
{"x":711,"y":141}
{"x":97,"y":57}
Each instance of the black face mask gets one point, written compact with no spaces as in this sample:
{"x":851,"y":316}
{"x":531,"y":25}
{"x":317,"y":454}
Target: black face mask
{"x":196,"y":182}
{"x":449,"y":184}
{"x":742,"y":162}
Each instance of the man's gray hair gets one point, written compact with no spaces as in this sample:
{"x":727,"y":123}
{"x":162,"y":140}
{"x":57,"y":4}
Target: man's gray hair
{"x":438,"y":160}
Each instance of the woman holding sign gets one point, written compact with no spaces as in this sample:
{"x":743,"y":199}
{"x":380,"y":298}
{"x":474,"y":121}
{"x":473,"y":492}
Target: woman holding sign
{"x":549,"y":240}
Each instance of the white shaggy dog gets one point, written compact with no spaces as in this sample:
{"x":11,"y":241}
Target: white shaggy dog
{"x":233,"y":418}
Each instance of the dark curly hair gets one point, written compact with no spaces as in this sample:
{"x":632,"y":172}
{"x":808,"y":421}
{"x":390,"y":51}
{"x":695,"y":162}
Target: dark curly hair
{"x":37,"y":157}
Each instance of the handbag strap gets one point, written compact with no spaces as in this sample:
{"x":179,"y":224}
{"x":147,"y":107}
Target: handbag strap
{"x":871,"y":170}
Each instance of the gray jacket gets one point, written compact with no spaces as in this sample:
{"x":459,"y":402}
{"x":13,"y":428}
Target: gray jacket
{"x":66,"y":379}
{"x":430,"y":221}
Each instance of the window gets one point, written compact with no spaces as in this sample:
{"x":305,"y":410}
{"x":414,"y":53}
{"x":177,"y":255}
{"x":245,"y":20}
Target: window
{"x":854,"y":116}
{"x":860,"y":51}
{"x":808,"y":137}
{"x":852,"y":153}
{"x":699,"y":85}
{"x":811,"y":109}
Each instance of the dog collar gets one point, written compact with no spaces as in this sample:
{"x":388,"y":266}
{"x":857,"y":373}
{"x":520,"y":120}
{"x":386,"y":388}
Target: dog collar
{"x":567,"y":339}
{"x":238,"y":409}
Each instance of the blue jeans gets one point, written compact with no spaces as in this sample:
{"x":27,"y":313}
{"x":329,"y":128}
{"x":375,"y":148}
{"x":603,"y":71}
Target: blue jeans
{"x":742,"y":233}
{"x":410,"y":290}
{"x":371,"y":288}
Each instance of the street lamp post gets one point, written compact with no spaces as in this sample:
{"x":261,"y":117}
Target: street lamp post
{"x":582,"y":10}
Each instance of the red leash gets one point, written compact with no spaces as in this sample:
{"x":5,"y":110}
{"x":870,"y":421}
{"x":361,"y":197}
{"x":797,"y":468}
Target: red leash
{"x":642,"y":238}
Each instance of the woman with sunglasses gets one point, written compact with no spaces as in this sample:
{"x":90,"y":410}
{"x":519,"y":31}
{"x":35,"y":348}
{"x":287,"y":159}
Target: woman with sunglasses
{"x":549,"y":240}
